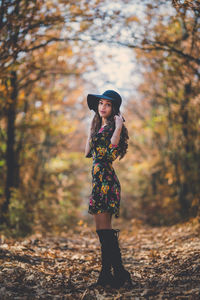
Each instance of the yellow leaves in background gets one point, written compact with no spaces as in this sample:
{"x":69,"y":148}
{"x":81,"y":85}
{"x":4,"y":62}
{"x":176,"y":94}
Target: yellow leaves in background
{"x":169,"y":177}
{"x":159,"y":118}
{"x":132,"y":19}
{"x":167,"y":201}
{"x":195,"y":202}
{"x":75,"y":9}
{"x":82,"y":223}
{"x":65,"y":162}
{"x":174,"y":29}
{"x":56,"y":164}
{"x":140,"y":166}
{"x":84,"y":25}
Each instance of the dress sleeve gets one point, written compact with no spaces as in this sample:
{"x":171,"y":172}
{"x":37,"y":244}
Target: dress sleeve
{"x":105,"y":148}
{"x":112,"y":151}
{"x":90,"y":152}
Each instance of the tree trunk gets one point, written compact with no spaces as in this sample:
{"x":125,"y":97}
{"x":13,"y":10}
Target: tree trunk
{"x":188,"y":145}
{"x":10,"y":144}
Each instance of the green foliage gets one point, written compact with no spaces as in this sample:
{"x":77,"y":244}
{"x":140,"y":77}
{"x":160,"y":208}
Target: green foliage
{"x":20,"y":216}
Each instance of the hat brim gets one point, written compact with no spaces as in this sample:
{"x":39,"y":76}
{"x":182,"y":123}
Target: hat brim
{"x":92,"y":100}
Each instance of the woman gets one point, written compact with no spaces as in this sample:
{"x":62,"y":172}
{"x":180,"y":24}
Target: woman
{"x":106,"y":141}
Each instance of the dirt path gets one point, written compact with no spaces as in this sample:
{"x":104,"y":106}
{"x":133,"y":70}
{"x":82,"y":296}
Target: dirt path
{"x":164,"y":263}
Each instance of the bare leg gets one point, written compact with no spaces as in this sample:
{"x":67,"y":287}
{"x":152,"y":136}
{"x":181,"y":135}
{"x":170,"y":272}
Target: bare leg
{"x":103,"y":221}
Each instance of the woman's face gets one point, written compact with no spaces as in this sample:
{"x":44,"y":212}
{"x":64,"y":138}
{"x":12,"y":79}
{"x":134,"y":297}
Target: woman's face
{"x":105,"y":108}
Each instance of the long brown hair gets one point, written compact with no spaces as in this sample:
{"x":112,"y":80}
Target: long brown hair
{"x":97,"y":123}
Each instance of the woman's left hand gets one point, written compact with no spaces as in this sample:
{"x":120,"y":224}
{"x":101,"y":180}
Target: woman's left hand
{"x":118,"y":120}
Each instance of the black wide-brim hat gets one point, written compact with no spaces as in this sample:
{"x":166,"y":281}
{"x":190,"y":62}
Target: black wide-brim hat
{"x":93,"y":99}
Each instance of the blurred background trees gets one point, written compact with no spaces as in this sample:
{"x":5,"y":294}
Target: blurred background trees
{"x":168,"y":114}
{"x":48,"y":65}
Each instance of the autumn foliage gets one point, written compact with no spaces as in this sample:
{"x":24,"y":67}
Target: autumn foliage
{"x":46,"y":51}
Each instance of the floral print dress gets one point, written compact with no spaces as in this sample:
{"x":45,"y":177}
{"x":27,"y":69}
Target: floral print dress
{"x":106,"y":189}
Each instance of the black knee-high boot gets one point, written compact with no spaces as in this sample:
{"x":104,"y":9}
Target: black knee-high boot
{"x":105,"y":276}
{"x":121,"y":275}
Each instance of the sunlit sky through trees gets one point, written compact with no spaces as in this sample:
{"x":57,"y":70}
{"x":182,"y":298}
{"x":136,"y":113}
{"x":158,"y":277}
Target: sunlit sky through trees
{"x":116,"y":65}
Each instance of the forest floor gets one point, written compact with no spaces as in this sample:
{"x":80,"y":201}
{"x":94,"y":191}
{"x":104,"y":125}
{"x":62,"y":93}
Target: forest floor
{"x":164,"y":263}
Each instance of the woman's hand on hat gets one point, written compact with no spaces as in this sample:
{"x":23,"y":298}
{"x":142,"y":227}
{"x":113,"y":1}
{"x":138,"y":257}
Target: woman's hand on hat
{"x":118,"y":120}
